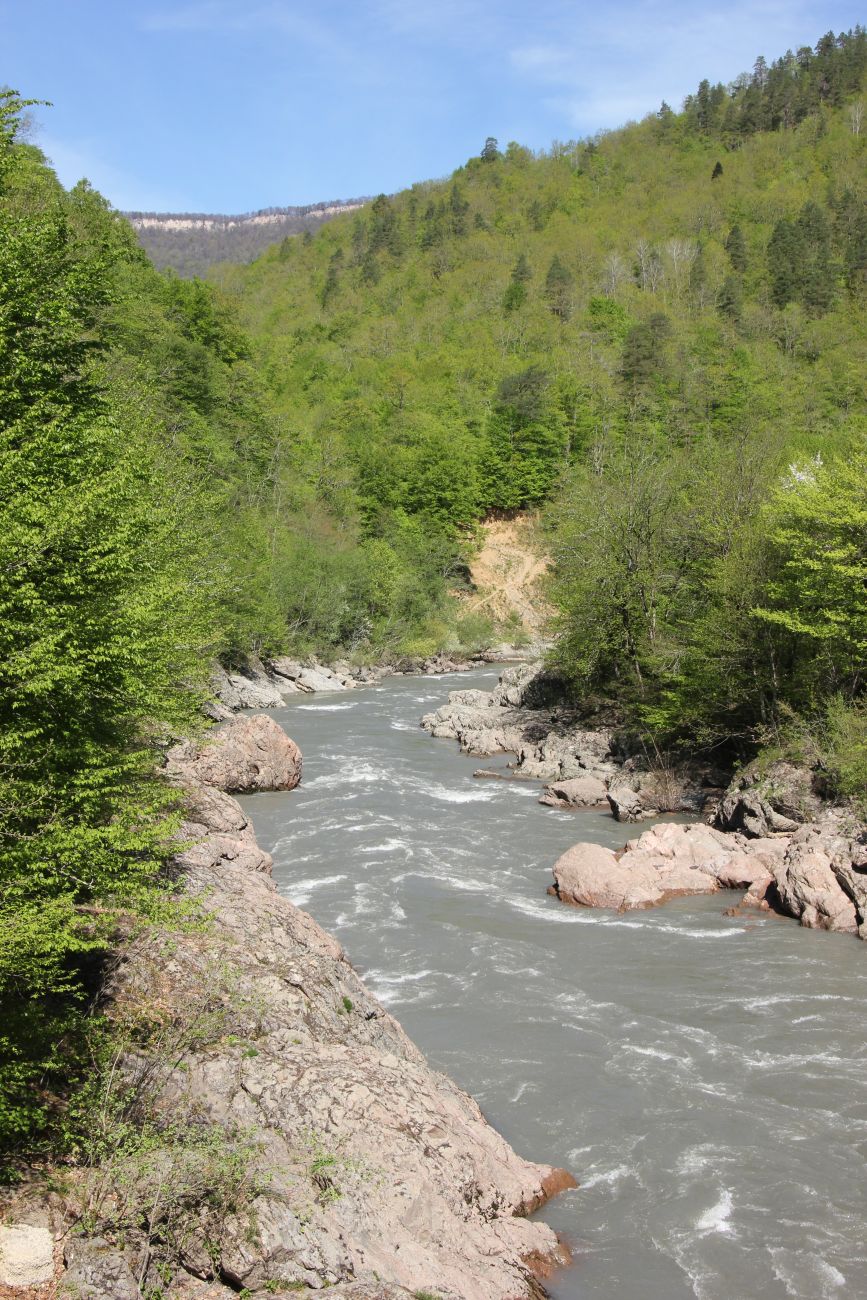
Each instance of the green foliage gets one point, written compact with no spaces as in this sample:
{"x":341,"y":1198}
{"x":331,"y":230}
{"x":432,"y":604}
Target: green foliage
{"x":845,"y":756}
{"x":817,"y":527}
{"x":300,"y":458}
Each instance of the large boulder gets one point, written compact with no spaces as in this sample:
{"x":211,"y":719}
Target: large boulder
{"x":667,"y":861}
{"x":578,"y":792}
{"x":810,"y":888}
{"x":589,"y":875}
{"x":817,"y":875}
{"x":625,"y":803}
{"x":243,"y":755}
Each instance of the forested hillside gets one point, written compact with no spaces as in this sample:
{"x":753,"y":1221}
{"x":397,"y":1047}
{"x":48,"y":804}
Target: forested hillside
{"x":660,"y":332}
{"x":154,"y":514}
{"x":656,"y":336}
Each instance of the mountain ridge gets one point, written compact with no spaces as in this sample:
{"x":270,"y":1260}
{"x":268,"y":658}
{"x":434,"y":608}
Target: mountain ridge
{"x":191,"y":242}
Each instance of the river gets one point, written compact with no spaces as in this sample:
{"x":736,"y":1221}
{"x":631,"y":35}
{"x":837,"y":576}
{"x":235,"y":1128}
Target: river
{"x":703,"y":1076}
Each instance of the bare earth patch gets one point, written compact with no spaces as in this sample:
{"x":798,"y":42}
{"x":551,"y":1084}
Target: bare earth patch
{"x":506,"y":573}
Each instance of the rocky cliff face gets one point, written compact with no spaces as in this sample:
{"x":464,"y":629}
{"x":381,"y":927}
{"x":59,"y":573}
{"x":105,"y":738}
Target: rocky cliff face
{"x":365,"y":1170}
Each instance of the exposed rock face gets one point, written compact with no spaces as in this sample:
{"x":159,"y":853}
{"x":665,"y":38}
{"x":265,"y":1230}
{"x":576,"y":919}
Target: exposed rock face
{"x":371,"y":1174}
{"x":816,"y":875}
{"x":767,"y":800}
{"x":251,"y":689}
{"x":242,"y":755}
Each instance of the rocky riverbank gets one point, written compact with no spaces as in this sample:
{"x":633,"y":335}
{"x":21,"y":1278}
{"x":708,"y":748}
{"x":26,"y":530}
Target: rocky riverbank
{"x":584,"y":767}
{"x":266,"y":684}
{"x":769,"y":833}
{"x":308,"y":1144}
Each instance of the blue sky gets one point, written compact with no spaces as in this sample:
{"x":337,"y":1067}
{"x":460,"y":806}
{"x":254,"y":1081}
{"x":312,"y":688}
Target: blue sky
{"x":233,"y":105}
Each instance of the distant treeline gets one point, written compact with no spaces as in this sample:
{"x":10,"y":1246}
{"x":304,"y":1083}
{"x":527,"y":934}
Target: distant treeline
{"x":193,"y":251}
{"x":783,"y":93}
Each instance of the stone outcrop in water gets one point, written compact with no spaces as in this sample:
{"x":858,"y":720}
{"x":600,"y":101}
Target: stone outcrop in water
{"x":578,"y":792}
{"x":584,"y":767}
{"x":818,"y":874}
{"x":241,"y":755}
{"x":267,"y":685}
{"x":517,"y":717}
{"x":369,"y":1173}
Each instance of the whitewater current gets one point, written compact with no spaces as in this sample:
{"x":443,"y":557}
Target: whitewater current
{"x":702,"y":1076}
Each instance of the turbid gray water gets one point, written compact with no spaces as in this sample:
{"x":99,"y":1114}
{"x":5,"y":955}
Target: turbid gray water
{"x":703,"y":1076}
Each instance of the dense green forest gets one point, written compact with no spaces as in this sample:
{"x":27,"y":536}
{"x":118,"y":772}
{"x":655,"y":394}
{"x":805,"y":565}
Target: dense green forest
{"x":154,"y":515}
{"x":659,"y":335}
{"x":656,"y":337}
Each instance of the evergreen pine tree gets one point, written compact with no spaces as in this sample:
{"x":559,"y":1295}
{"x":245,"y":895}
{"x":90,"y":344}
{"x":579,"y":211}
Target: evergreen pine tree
{"x":737,"y":249}
{"x":558,"y":289}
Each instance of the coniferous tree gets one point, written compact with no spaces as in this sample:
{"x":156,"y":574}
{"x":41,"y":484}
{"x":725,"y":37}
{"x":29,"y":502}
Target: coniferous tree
{"x":558,"y":289}
{"x":737,"y":249}
{"x":730,"y":297}
{"x":784,"y":260}
{"x":816,"y":272}
{"x":516,"y":290}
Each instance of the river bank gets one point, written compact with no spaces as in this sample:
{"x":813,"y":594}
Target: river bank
{"x":768,"y":834}
{"x":268,"y":683}
{"x":325,"y":1153}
